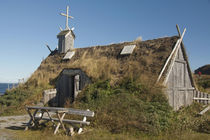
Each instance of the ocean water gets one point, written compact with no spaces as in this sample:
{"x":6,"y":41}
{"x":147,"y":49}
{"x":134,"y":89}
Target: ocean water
{"x":4,"y":86}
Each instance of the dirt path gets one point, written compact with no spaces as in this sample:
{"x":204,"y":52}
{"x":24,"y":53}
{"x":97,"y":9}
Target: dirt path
{"x":13,"y":121}
{"x":10,"y":124}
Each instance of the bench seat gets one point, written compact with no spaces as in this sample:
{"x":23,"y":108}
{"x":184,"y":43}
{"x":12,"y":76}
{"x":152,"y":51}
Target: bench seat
{"x":64,"y":120}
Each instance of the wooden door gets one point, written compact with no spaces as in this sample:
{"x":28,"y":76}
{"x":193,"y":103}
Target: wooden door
{"x":76,"y":85}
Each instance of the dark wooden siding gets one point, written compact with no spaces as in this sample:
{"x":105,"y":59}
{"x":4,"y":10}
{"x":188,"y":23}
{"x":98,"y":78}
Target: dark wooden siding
{"x":65,"y":84}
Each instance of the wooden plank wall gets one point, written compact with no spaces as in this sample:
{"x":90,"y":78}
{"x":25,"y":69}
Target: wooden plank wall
{"x":179,"y":86}
{"x":50,"y":96}
{"x":201,"y":97}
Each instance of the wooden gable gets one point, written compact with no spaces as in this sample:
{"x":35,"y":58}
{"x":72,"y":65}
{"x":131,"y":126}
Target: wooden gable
{"x":179,"y":85}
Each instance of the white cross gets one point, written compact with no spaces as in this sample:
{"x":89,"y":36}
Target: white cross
{"x":67,"y":17}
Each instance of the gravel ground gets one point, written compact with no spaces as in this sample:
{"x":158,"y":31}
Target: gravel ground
{"x":8,"y":125}
{"x":13,"y":121}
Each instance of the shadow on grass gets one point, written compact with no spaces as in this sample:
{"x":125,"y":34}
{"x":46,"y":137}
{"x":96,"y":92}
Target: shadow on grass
{"x":15,"y":128}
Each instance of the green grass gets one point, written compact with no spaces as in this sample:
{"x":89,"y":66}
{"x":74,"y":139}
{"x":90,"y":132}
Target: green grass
{"x":129,"y":110}
{"x":136,"y":108}
{"x":96,"y":134}
{"x":129,"y":107}
{"x":13,"y":101}
{"x":203,"y":82}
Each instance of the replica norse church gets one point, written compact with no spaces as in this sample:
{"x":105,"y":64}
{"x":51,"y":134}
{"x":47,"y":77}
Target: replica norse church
{"x":163,"y":59}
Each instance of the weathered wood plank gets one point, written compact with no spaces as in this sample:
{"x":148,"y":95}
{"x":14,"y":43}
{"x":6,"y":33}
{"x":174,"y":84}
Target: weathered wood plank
{"x":184,"y":88}
{"x":32,"y":118}
{"x":180,"y":61}
{"x":60,"y":119}
{"x":67,"y":110}
{"x":167,"y":61}
{"x":201,"y":99}
{"x":205,"y":110}
{"x":66,"y":120}
{"x":174,"y":57}
{"x":204,"y":101}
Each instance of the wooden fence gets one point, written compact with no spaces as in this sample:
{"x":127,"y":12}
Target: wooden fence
{"x":201,"y":97}
{"x":49,"y":96}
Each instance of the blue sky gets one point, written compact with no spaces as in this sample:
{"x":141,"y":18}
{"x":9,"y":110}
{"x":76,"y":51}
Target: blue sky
{"x":26,"y":25}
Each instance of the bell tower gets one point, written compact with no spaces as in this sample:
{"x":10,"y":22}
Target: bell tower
{"x":66,"y":37}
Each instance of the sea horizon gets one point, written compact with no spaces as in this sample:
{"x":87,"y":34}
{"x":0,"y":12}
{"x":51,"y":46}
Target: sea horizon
{"x":5,"y":86}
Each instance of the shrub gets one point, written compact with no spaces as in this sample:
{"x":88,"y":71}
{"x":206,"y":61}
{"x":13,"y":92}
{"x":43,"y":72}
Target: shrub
{"x":205,"y":127}
{"x":127,"y":107}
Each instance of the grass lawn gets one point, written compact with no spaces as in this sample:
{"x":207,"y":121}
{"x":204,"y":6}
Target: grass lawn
{"x":96,"y":134}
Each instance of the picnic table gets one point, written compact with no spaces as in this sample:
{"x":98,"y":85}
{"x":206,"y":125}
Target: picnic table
{"x":60,"y":114}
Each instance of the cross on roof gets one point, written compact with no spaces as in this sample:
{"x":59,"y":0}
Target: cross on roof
{"x":67,"y":17}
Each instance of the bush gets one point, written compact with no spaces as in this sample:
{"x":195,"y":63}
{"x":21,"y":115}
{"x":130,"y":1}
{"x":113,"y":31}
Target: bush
{"x":128,"y":107}
{"x":205,"y":127}
{"x":204,"y":84}
{"x":15,"y":99}
{"x":187,"y":119}
{"x":135,"y":108}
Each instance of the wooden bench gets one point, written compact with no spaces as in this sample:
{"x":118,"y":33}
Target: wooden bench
{"x":60,"y":114}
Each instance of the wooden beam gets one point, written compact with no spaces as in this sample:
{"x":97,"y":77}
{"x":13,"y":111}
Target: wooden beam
{"x":67,"y":110}
{"x":65,"y":120}
{"x":167,"y":61}
{"x":174,"y":57}
{"x":50,"y":117}
{"x":205,"y":110}
{"x":180,"y":61}
{"x":188,"y":67}
{"x":207,"y":99}
{"x":48,"y":47}
{"x":182,"y":88}
{"x":178,"y":30}
{"x":161,"y":73}
{"x":84,"y":120}
{"x":60,"y":119}
{"x":32,"y":118}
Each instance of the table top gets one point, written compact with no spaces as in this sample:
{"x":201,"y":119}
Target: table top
{"x":66,"y":110}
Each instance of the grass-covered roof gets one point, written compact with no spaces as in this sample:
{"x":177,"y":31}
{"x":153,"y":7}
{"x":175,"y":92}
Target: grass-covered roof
{"x":105,"y":62}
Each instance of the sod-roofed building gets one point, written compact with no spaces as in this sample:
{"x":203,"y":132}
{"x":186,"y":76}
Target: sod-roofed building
{"x":145,"y":60}
{"x":159,"y":61}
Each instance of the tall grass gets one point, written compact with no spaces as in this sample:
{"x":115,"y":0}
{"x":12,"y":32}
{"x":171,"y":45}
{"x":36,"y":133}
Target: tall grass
{"x":138,"y":109}
{"x":13,"y":101}
{"x":203,"y":82}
